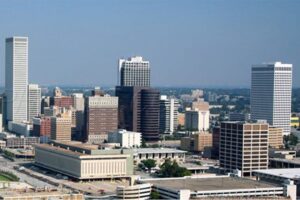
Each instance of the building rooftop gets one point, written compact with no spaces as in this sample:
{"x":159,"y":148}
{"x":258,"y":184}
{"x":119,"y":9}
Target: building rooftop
{"x":293,"y":161}
{"x":207,"y":184}
{"x":157,"y":150}
{"x":290,"y":173}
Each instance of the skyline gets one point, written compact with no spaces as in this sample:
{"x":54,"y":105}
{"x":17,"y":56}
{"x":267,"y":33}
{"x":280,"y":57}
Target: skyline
{"x":60,"y":45}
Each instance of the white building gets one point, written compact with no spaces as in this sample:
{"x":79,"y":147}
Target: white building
{"x":16,"y":78}
{"x":196,"y":120}
{"x":134,"y":72}
{"x":125,"y":138}
{"x":20,"y":128}
{"x":34,"y":101}
{"x":168,"y":114}
{"x":271,"y":92}
{"x":78,"y":101}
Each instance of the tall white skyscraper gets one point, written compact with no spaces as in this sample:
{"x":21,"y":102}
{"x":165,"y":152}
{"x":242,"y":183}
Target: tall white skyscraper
{"x":134,"y":72}
{"x":271,"y":93}
{"x":34,"y":101}
{"x":168,"y":114}
{"x":16,"y":78}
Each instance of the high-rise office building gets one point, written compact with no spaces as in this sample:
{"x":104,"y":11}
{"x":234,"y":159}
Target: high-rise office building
{"x":168,"y":114}
{"x":78,"y":101}
{"x":134,"y":72}
{"x":139,"y":110}
{"x":243,"y":146}
{"x":197,"y":120}
{"x":61,"y":128}
{"x":16,"y":78}
{"x":34,"y":101}
{"x":101,"y":117}
{"x":271,"y":92}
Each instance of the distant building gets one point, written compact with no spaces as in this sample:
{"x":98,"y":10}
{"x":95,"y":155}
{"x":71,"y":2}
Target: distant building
{"x":200,"y":105}
{"x":21,"y":142}
{"x":16,"y":78}
{"x":61,"y":128}
{"x":295,"y":122}
{"x":78,"y":101}
{"x":243,"y":146}
{"x":197,"y":120}
{"x":34,"y":101}
{"x":181,"y":119}
{"x":62,"y":101}
{"x":275,"y":137}
{"x":139,"y":111}
{"x":215,"y":141}
{"x":271,"y":93}
{"x":168,"y":114}
{"x":134,"y":72}
{"x":138,"y":191}
{"x":127,"y":139}
{"x":233,"y":116}
{"x":197,"y":142}
{"x":101,"y":116}
{"x":20,"y":128}
{"x":42,"y":128}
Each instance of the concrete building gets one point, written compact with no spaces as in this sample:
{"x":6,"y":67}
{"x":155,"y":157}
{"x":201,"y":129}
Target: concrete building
{"x":19,"y":128}
{"x":295,"y":122}
{"x":168,"y":121}
{"x":215,"y":142}
{"x":134,"y":72}
{"x":21,"y":142}
{"x":197,"y":120}
{"x":271,"y":93}
{"x":34,"y":101}
{"x":234,"y":116}
{"x":219,"y":187}
{"x":42,"y":127}
{"x":280,"y":176}
{"x":200,"y":105}
{"x":126,"y":139}
{"x":135,"y":192}
{"x":84,"y":162}
{"x":243,"y":146}
{"x":16,"y":78}
{"x":158,"y":154}
{"x":78,"y":101}
{"x":101,"y":116}
{"x":197,"y":142}
{"x":275,"y":137}
{"x":61,"y":128}
{"x":139,"y":111}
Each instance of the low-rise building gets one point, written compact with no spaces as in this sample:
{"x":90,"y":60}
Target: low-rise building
{"x":125,"y":138}
{"x":219,"y":187}
{"x":21,"y":142}
{"x":138,"y":191}
{"x":84,"y":162}
{"x":197,"y":142}
{"x":20,"y":128}
{"x":158,"y":154}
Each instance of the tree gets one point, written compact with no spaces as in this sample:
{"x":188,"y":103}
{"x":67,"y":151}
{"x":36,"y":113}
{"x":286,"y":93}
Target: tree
{"x":144,"y":145}
{"x":154,"y":195}
{"x":172,"y":169}
{"x":149,"y":163}
{"x":293,"y":140}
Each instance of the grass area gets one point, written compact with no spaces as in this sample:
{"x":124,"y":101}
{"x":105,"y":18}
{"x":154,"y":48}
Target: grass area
{"x":7,"y":176}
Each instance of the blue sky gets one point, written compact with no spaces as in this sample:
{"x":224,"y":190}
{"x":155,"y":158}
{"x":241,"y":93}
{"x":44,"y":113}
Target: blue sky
{"x":188,"y":42}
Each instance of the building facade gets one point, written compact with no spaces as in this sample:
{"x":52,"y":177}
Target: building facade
{"x":101,"y":116}
{"x":243,"y":146}
{"x":197,"y":120}
{"x":61,"y":128}
{"x":197,"y":142}
{"x":127,"y":139}
{"x":275,"y":137}
{"x":271,"y":93}
{"x":168,"y":114}
{"x":16,"y":78}
{"x":34,"y":101}
{"x":134,"y":72}
{"x":139,"y":111}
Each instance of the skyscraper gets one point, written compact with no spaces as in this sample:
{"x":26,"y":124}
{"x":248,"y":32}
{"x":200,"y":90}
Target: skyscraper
{"x":34,"y":101}
{"x":134,"y":72}
{"x":16,"y":78}
{"x":271,"y":91}
{"x":243,"y":146}
{"x":101,"y":116}
{"x":139,"y":110}
{"x":168,"y":114}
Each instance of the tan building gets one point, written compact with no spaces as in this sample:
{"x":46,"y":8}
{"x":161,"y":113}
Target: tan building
{"x":200,"y":105}
{"x":101,"y":118}
{"x":61,"y":128}
{"x":82,"y":161}
{"x":197,"y":142}
{"x":275,"y":137}
{"x":244,"y":146}
{"x":181,"y":119}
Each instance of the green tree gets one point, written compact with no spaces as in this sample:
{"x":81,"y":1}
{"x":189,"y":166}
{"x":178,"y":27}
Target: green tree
{"x":144,"y":145}
{"x":293,"y":140}
{"x":172,"y":169}
{"x":154,"y":195}
{"x":149,"y":163}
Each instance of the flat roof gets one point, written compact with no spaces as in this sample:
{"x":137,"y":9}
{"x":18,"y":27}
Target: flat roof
{"x":157,"y":150}
{"x":207,"y":184}
{"x":293,"y":161}
{"x":290,"y":173}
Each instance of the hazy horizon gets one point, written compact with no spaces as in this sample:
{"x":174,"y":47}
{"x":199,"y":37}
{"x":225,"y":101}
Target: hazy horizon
{"x":205,"y":44}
